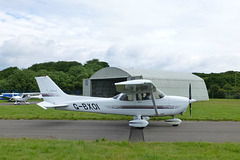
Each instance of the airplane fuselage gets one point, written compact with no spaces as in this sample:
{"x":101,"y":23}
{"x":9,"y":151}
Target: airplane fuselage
{"x":166,"y":106}
{"x":20,"y":99}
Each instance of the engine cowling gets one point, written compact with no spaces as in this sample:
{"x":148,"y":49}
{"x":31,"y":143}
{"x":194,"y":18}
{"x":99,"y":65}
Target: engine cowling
{"x":139,"y":123}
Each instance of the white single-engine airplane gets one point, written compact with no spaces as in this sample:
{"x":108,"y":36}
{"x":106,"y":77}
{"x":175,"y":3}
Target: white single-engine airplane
{"x":139,"y":98}
{"x":22,"y":97}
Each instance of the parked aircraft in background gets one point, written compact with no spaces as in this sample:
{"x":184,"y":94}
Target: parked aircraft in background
{"x":20,"y":97}
{"x":139,"y":98}
{"x":5,"y":96}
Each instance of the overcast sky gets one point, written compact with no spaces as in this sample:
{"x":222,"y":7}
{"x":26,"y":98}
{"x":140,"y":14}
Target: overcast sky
{"x":175,"y":35}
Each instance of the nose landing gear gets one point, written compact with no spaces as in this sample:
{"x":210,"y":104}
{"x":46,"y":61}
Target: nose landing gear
{"x":174,"y":121}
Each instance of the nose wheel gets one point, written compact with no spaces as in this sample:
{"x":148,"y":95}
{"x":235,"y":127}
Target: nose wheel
{"x":174,"y":121}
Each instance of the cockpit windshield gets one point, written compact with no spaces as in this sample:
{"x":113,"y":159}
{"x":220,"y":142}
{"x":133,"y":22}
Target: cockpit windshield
{"x":159,"y":94}
{"x":116,"y":97}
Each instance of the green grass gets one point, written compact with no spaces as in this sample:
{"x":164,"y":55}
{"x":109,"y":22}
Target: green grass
{"x":36,"y":112}
{"x":31,"y":149}
{"x":4,"y":101}
{"x":30,"y":100}
{"x":213,"y":110}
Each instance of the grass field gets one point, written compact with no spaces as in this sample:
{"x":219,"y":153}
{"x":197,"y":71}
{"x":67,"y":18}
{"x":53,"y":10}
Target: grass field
{"x":31,"y":149}
{"x":30,"y":100}
{"x":4,"y":101}
{"x":213,"y":110}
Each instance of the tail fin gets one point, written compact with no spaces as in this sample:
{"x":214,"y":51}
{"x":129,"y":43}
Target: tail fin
{"x":49,"y":90}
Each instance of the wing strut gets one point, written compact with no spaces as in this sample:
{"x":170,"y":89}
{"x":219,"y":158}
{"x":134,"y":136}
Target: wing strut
{"x":154,"y":103}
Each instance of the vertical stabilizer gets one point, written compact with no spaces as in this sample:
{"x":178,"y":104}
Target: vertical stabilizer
{"x":49,"y":90}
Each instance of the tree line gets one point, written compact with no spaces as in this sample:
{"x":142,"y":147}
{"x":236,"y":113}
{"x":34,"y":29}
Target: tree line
{"x":69,"y":76}
{"x":222,"y":85}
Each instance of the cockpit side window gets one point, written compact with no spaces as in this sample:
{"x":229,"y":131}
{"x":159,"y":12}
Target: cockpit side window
{"x":126,"y":97}
{"x":143,"y":96}
{"x":139,"y":96}
{"x":147,"y":96}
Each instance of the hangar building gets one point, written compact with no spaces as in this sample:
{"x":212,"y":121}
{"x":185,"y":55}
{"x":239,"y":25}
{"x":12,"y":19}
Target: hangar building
{"x":101,"y":83}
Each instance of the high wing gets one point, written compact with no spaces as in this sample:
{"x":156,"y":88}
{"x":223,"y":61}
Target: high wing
{"x":5,"y":97}
{"x":32,"y":94}
{"x":138,"y":86}
{"x":9,"y":95}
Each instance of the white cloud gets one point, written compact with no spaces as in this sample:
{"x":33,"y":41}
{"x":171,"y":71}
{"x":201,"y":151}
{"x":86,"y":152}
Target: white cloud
{"x":189,"y":36}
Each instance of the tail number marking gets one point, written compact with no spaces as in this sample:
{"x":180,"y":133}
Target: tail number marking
{"x":87,"y":106}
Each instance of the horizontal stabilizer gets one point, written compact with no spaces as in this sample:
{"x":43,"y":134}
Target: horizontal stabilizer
{"x":46,"y":105}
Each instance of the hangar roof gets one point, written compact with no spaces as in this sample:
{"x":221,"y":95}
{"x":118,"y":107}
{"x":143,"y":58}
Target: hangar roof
{"x":171,"y":83}
{"x":113,"y":72}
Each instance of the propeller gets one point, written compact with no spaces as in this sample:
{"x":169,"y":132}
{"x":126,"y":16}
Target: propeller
{"x":190,"y":98}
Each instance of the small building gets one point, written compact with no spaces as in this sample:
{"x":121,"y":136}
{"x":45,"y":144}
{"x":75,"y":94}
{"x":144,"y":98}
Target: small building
{"x":101,"y":83}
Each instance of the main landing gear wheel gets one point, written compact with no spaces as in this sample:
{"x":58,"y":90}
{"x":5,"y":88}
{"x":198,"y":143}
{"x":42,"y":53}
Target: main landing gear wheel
{"x":17,"y":103}
{"x":139,"y":122}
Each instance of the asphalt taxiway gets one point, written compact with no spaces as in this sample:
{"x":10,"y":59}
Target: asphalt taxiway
{"x":188,"y":131}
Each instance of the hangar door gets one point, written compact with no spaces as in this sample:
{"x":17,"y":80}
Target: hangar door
{"x":105,"y":87}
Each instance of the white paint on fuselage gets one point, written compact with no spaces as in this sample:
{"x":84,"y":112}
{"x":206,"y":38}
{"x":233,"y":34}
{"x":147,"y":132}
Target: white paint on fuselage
{"x":167,"y":106}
